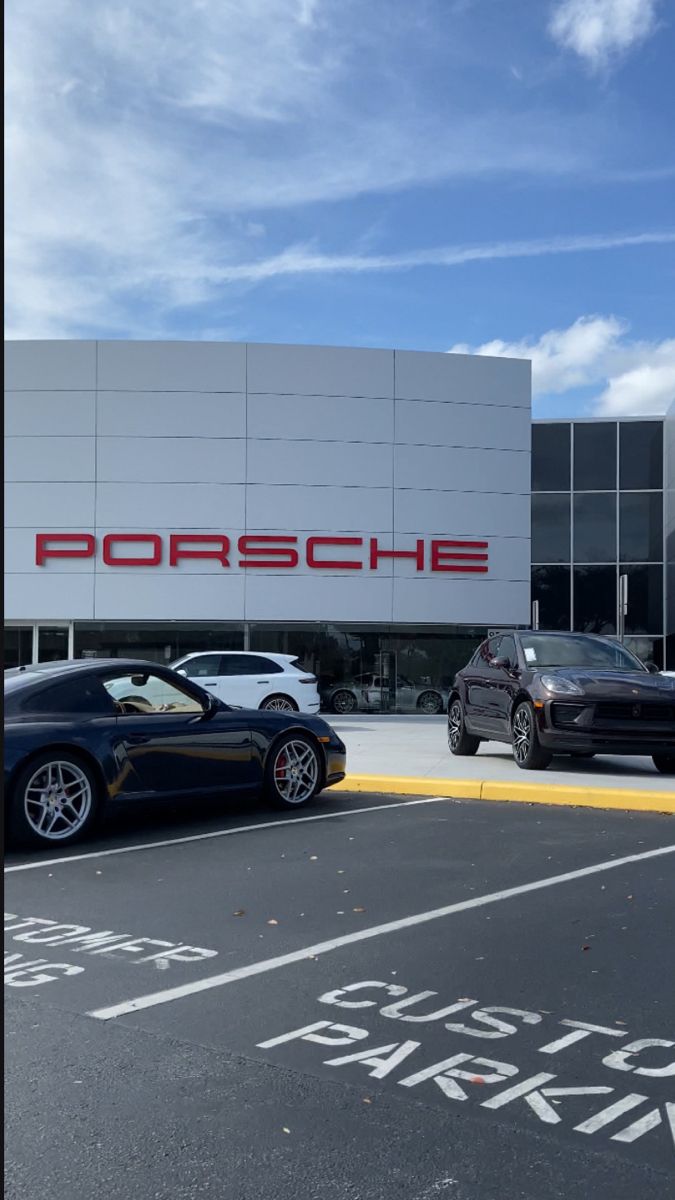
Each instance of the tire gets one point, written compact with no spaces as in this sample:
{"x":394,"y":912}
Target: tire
{"x":279,"y":704}
{"x":343,"y":701}
{"x":51,"y":782}
{"x":292,"y":772}
{"x":665,"y":763}
{"x":527,"y":751}
{"x":460,"y":742}
{"x":431,"y":703}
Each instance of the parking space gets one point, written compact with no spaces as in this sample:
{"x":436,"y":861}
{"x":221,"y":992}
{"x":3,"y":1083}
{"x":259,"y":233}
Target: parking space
{"x":492,"y":984}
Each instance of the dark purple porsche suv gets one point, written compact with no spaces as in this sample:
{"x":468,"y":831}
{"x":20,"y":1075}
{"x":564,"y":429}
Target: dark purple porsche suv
{"x":562,"y":693}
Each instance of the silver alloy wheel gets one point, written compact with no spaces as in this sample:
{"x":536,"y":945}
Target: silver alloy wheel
{"x":430,"y":702}
{"x":57,"y":800}
{"x":522,"y":734}
{"x":344,"y":701}
{"x":296,"y":772}
{"x":455,"y":723}
{"x":278,"y":704}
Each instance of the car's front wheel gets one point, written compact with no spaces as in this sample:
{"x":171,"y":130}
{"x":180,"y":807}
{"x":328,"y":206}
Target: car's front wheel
{"x":430,"y":702}
{"x":279,"y":704}
{"x":665,"y":763}
{"x":292,"y":773}
{"x":459,"y":741}
{"x":343,"y":701}
{"x":527,"y":751}
{"x":54,"y":799}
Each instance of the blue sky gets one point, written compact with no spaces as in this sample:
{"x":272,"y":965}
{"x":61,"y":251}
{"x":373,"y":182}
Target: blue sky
{"x":495,"y":176}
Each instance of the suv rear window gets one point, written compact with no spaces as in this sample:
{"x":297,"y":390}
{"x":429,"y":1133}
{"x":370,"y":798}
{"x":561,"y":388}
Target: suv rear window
{"x":249,"y":664}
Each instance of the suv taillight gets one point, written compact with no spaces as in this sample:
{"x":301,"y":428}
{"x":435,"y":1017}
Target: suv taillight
{"x":308,"y":679}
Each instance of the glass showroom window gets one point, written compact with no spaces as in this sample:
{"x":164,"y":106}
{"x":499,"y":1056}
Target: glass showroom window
{"x":595,"y":593}
{"x":641,"y":527}
{"x":645,"y":598}
{"x":551,"y":586}
{"x":641,"y":455}
{"x":551,"y":458}
{"x":594,"y":527}
{"x":595,"y":456}
{"x":550,"y":527}
{"x":155,"y":642}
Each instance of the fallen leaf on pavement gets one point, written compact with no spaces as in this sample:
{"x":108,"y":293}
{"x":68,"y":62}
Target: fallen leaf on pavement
{"x":239,"y":913}
{"x":358,"y":909}
{"x":272,"y":922}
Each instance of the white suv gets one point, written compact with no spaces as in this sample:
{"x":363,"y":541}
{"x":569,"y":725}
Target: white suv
{"x":252,"y":680}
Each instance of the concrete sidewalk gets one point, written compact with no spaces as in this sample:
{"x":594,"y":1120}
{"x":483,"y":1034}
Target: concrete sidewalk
{"x":415,"y":749}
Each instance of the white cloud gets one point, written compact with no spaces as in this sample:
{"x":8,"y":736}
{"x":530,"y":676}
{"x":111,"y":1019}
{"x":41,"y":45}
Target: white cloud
{"x":304,"y":260}
{"x":601,"y":31}
{"x":595,"y":351}
{"x":646,"y":388}
{"x":145,"y":142}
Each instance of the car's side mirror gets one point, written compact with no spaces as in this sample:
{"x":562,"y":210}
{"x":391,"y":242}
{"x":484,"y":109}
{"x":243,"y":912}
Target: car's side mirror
{"x":652,"y":668}
{"x":180,"y":671}
{"x":503,"y":664}
{"x":212,"y":705}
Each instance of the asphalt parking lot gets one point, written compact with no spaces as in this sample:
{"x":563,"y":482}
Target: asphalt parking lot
{"x":376,"y":998}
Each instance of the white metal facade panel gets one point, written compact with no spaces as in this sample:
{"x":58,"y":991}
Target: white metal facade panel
{"x":321,"y":418}
{"x":228,"y":439}
{"x":433,"y":423}
{"x":171,"y":460}
{"x":467,"y":514}
{"x":320,"y":371}
{"x":48,"y":506}
{"x":181,"y":506}
{"x":172,"y":414}
{"x":50,"y":366}
{"x":300,"y":506}
{"x":38,"y":459}
{"x":50,"y":413}
{"x":172,"y":366}
{"x":462,"y":378}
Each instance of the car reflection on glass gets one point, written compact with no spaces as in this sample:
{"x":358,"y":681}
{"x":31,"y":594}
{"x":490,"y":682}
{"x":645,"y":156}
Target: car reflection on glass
{"x":372,"y":693}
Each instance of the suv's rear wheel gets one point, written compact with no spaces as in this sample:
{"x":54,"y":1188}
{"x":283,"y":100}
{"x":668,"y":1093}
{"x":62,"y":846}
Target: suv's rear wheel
{"x":527,"y":751}
{"x":54,"y":799}
{"x":292,"y":773}
{"x":430,"y":702}
{"x":279,"y":704}
{"x":459,"y":741}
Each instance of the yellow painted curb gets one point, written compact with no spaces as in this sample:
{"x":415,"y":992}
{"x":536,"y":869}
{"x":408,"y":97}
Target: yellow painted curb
{"x":527,"y":793}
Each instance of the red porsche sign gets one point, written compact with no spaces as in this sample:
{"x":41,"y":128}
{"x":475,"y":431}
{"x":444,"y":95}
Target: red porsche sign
{"x":267,"y":551}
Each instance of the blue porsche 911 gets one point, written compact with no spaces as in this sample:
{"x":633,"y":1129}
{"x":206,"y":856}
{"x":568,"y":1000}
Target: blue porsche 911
{"x":81,"y":734}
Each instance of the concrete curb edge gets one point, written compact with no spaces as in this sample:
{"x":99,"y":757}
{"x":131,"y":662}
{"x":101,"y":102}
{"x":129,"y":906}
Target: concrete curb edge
{"x":640,"y":800}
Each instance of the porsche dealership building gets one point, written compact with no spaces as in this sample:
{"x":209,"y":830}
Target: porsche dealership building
{"x":365,"y":510}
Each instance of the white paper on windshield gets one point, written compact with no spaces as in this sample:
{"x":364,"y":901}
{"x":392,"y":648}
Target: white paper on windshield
{"x":530,"y":654}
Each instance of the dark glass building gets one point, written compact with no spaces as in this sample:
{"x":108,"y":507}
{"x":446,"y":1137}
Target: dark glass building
{"x":603,"y":508}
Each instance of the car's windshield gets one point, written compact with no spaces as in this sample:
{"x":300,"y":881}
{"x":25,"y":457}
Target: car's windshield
{"x":577,"y":651}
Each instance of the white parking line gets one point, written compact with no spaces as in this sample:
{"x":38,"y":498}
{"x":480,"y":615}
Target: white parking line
{"x":361,"y":935}
{"x":202,"y":837}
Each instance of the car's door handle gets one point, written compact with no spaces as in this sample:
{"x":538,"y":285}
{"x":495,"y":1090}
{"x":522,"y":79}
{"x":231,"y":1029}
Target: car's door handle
{"x":263,"y":681}
{"x":208,"y":682}
{"x":137,"y":739}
